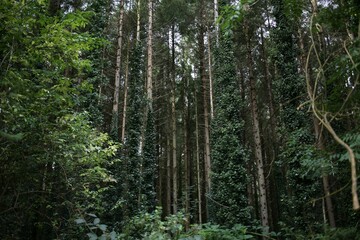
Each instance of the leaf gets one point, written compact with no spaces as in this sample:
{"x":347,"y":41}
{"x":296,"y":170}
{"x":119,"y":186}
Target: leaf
{"x":113,"y":235}
{"x":92,"y":236}
{"x":80,"y":221}
{"x":102,"y":227}
{"x":92,"y":215}
{"x":96,"y":221}
{"x":102,"y":237}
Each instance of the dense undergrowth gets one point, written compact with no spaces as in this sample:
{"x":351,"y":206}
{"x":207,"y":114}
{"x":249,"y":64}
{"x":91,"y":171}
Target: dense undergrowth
{"x":151,"y":226}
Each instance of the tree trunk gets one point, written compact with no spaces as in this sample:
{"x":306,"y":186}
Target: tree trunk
{"x":149,"y":54}
{"x":216,"y":15}
{"x":187,"y":168}
{"x":173,"y":122}
{"x":168,"y":177}
{"x":257,"y":140}
{"x":202,"y":70}
{"x":138,"y":8}
{"x":272,"y":142}
{"x":210,"y":78}
{"x":115,"y":110}
{"x":125,"y":96}
{"x":198,"y":166}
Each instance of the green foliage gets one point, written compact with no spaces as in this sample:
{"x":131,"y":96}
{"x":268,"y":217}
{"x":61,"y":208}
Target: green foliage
{"x":96,"y":229}
{"x":151,"y":227}
{"x":290,"y":233}
{"x":216,"y":232}
{"x":129,"y":173}
{"x":53,"y":163}
{"x":231,"y":15}
{"x":149,"y":165}
{"x":229,"y":155}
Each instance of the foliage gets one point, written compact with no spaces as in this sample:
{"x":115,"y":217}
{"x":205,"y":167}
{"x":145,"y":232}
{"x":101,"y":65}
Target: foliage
{"x":96,"y":229}
{"x":229,"y":155}
{"x":148,"y":193}
{"x":214,"y":232}
{"x":53,"y":163}
{"x":150,"y":226}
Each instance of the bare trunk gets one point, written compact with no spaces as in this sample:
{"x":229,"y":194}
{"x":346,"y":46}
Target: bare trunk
{"x":198,"y":167}
{"x":125,"y":97}
{"x":216,"y":15}
{"x":272,"y":142}
{"x":210,"y":79}
{"x":149,"y":54}
{"x":187,"y":169}
{"x":257,"y":140}
{"x":205,"y":105}
{"x":138,"y":8}
{"x":115,"y":110}
{"x":173,"y":121}
{"x":168,"y":177}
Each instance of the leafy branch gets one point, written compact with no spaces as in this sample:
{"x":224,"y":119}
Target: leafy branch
{"x":322,"y":116}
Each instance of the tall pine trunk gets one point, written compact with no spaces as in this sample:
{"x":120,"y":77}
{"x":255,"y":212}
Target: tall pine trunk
{"x":115,"y":110}
{"x":202,"y":70}
{"x":256,"y":138}
{"x":173,"y":122}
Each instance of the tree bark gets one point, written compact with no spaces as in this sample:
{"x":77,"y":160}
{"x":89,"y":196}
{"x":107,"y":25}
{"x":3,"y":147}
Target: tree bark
{"x":115,"y":110}
{"x":173,"y":122}
{"x":257,"y":140}
{"x":187,"y":168}
{"x":198,"y":166}
{"x":210,"y":78}
{"x":202,"y":70}
{"x":149,"y":54}
{"x":138,"y":8}
{"x":123,"y":127}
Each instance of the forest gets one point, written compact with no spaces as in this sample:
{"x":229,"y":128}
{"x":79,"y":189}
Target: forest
{"x":179,"y":119}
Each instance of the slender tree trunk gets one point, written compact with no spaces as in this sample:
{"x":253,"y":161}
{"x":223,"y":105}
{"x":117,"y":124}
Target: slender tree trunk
{"x":198,"y":166}
{"x":173,"y":121}
{"x":149,"y":54}
{"x":123,"y":127}
{"x":216,"y":15}
{"x":187,"y":169}
{"x":115,"y":110}
{"x":272,"y":153}
{"x":168,"y":177}
{"x":138,"y":9}
{"x":210,"y":78}
{"x":202,"y":69}
{"x":257,"y":139}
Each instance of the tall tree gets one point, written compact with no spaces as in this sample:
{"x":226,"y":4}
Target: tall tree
{"x":204,"y":83}
{"x":264,"y":214}
{"x":115,"y":110}
{"x":228,"y":203}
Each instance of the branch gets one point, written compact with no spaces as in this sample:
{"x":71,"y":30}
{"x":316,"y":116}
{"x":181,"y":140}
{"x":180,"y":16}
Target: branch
{"x":323,"y":118}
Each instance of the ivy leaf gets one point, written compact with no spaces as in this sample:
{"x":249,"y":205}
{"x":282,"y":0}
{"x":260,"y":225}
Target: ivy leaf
{"x":113,"y":235}
{"x":96,"y":221}
{"x":92,"y":236}
{"x":92,"y":215}
{"x":80,"y":221}
{"x":102,"y":227}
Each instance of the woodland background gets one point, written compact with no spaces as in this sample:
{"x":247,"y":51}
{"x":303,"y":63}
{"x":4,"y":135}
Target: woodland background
{"x":179,"y":119}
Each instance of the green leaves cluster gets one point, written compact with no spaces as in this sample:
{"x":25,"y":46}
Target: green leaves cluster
{"x":229,"y":155}
{"x":54,"y":164}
